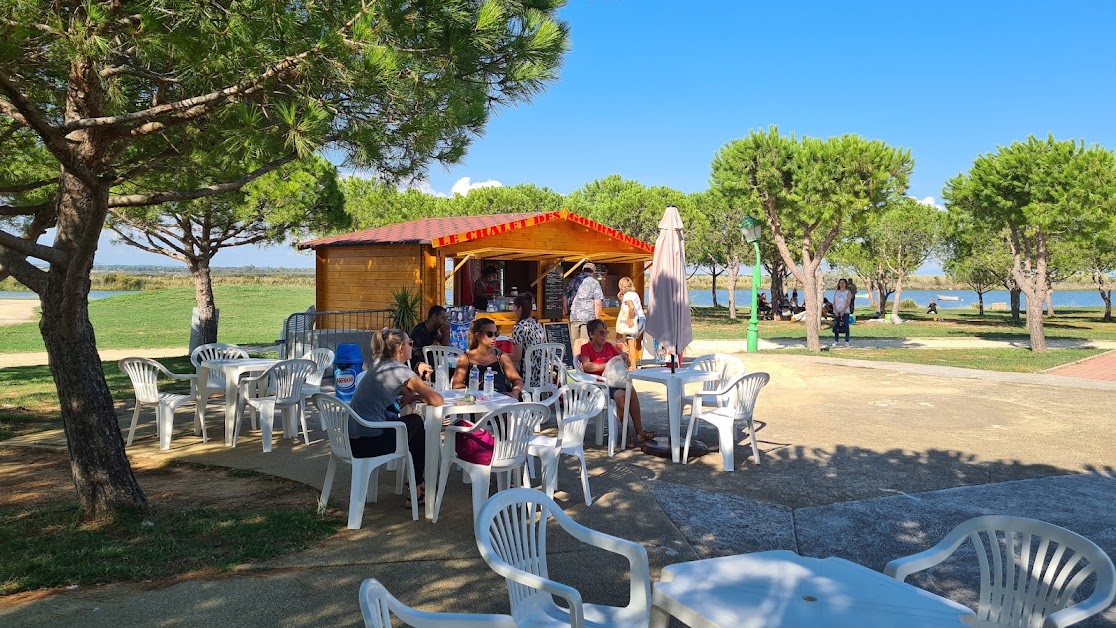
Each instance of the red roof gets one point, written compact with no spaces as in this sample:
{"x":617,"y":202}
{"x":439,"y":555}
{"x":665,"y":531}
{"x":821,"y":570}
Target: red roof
{"x":447,"y":231}
{"x":421,"y":231}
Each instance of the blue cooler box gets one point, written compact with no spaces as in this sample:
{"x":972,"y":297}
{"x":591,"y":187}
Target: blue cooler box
{"x":347,"y":364}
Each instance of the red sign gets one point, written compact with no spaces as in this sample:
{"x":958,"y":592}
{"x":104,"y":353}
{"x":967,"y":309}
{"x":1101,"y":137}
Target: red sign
{"x":477,"y":234}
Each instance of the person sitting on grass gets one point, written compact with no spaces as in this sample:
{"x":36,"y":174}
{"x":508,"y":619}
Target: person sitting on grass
{"x":593,"y":357}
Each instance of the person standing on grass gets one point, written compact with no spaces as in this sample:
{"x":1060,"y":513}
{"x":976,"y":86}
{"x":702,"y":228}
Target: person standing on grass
{"x":842,"y":306}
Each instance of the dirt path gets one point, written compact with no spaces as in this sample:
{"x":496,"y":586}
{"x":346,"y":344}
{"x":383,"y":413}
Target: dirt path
{"x":13,"y":311}
{"x":39,"y":358}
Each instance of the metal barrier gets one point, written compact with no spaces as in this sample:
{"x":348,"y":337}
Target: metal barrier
{"x":305,"y":331}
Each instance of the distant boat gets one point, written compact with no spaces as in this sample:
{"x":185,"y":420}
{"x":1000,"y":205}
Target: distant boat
{"x":947,"y":297}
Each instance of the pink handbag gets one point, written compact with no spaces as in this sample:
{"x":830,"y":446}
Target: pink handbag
{"x":475,"y":447}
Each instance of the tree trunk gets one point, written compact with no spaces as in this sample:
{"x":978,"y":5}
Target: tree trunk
{"x":713,"y":273}
{"x":980,"y":302}
{"x":203,"y":297}
{"x":1034,"y":323}
{"x":810,"y":286}
{"x":1015,"y":305}
{"x":776,"y":287}
{"x":102,"y":474}
{"x":898,"y":295}
{"x":1106,"y":296}
{"x":1050,"y":301}
{"x":733,"y":272}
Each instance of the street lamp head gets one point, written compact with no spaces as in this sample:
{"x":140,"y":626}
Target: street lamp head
{"x":750,"y":227}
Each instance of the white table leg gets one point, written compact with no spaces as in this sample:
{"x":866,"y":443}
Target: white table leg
{"x":201,"y":396}
{"x":674,"y":415}
{"x":433,"y":418}
{"x":231,"y":392}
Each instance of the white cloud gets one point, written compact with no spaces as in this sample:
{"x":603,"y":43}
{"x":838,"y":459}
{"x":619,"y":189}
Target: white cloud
{"x":422,"y":185}
{"x":932,"y":202}
{"x":465,"y":184}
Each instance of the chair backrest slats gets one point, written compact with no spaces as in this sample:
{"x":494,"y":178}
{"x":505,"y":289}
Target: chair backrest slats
{"x":511,"y":428}
{"x":1031,"y":569}
{"x":144,"y":373}
{"x":216,"y":351}
{"x":578,"y":403}
{"x":323,"y":358}
{"x":285,"y":379}
{"x":335,"y":420}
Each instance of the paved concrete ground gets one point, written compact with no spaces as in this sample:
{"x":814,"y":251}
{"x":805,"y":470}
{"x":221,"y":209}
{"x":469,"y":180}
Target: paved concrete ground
{"x":861,"y":460}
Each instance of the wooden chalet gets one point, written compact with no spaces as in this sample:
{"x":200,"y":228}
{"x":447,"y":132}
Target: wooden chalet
{"x":533,"y":252}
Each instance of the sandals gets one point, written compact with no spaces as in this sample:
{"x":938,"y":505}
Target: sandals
{"x":421,"y":498}
{"x":645,"y":436}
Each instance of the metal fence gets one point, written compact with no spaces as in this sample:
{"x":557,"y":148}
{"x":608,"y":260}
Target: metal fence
{"x":305,"y":331}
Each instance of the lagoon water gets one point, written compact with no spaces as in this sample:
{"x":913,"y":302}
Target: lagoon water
{"x":93,"y":294}
{"x":1067,"y":298}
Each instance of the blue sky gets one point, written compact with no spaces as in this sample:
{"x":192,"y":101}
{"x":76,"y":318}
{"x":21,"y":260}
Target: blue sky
{"x":652,"y":89}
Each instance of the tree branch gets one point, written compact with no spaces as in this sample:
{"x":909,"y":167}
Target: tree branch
{"x":26,"y":187}
{"x":207,"y":101}
{"x":141,"y":200}
{"x":31,"y":248}
{"x":20,"y":109}
{"x":24,"y":210}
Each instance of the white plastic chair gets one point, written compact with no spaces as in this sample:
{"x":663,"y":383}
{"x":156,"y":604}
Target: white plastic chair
{"x":741,"y":394}
{"x":323,"y":358}
{"x":611,"y":415}
{"x":1035,"y":570}
{"x":279,"y":387}
{"x":539,"y":376}
{"x":144,"y":374}
{"x":511,"y":535}
{"x":579,"y":403}
{"x":377,"y":604}
{"x":511,"y":428}
{"x":728,"y":366}
{"x":439,"y":358}
{"x":215,"y":351}
{"x":365,"y":485}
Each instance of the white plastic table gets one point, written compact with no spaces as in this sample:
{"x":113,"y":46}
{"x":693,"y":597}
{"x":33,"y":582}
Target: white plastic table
{"x":433,"y":419}
{"x":232,"y":369}
{"x":781,"y":588}
{"x":674,"y":382}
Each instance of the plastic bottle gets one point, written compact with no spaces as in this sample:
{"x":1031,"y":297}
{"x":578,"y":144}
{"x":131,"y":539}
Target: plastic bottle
{"x":474,"y":378}
{"x":489,"y":382}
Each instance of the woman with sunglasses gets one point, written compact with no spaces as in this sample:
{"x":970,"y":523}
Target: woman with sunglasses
{"x":390,"y":383}
{"x":595,"y":354}
{"x":484,"y":354}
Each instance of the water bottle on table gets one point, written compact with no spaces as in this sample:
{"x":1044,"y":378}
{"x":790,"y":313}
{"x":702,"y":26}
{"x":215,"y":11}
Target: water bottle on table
{"x":474,"y":378}
{"x":489,"y":381}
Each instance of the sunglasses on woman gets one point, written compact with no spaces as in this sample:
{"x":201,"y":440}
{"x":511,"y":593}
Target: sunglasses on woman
{"x":490,"y":334}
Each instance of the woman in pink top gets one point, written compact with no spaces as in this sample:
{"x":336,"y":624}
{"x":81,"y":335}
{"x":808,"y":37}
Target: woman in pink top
{"x":594,"y":355}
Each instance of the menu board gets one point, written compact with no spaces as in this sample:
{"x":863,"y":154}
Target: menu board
{"x":560,"y":333}
{"x":552,"y":294}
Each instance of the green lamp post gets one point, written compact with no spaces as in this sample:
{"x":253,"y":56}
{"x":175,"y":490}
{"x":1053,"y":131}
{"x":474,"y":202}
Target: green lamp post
{"x":750,"y":229}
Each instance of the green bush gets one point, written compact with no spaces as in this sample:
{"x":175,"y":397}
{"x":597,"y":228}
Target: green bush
{"x":908,"y":304}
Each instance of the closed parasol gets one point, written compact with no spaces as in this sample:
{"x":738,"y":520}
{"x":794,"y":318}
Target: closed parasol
{"x":668,"y":300}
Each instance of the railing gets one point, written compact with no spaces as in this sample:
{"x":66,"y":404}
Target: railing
{"x":305,"y":331}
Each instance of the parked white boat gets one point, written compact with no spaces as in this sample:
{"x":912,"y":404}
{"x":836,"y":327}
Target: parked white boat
{"x":949,"y":297}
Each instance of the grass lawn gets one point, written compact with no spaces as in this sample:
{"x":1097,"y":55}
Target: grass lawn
{"x":29,"y":400}
{"x":1012,"y":360}
{"x":1078,"y":323}
{"x":45,"y":546}
{"x":161,"y":318}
